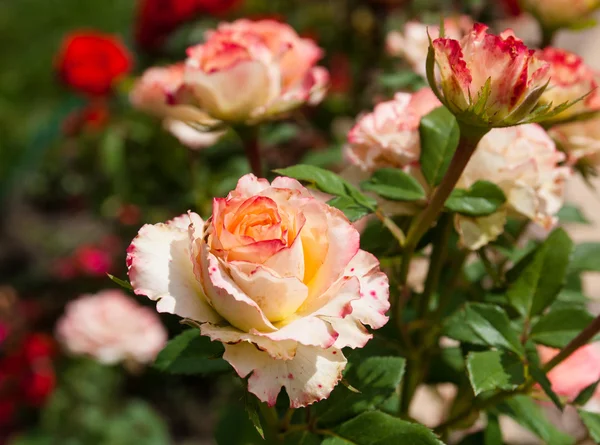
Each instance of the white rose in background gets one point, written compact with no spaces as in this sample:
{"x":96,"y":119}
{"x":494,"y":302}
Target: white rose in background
{"x":274,"y":274}
{"x":556,"y":14}
{"x":579,"y":140}
{"x":111,"y":327}
{"x":524,"y":162}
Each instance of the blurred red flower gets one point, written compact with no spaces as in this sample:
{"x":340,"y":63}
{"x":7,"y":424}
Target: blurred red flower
{"x":93,"y":117}
{"x":91,"y":62}
{"x":93,"y":260}
{"x":512,"y":7}
{"x":158,"y":18}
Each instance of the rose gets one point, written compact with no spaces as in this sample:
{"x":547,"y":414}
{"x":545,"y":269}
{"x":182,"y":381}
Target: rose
{"x":157,"y":18}
{"x":92,"y":62}
{"x":489,"y":80}
{"x":556,"y":14}
{"x":413,"y":43}
{"x":389,"y":135}
{"x":274,"y":274}
{"x":249,"y":71}
{"x":570,"y":79}
{"x":111,"y":327}
{"x":580,"y":140}
{"x":524,"y":162}
{"x":154,"y":93}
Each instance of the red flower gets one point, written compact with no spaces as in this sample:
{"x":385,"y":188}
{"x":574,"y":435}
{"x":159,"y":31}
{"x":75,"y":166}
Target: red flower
{"x":93,"y":261}
{"x":512,"y":7}
{"x":91,"y":62}
{"x":157,"y":18}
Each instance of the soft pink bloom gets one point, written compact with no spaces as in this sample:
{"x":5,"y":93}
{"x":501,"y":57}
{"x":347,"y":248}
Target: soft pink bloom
{"x":248,"y":71}
{"x":580,"y":140}
{"x":93,"y":260}
{"x":413,"y":43}
{"x":111,"y":327}
{"x":524,"y":162}
{"x":578,"y":371}
{"x":276,"y":275}
{"x":515,"y":76}
{"x":555,"y":14}
{"x":389,"y":135}
{"x":570,"y":79}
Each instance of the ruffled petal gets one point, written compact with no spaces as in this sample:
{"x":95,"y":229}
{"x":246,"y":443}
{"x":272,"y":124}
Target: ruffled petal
{"x":160,"y":267}
{"x":309,"y":377}
{"x":477,"y":232}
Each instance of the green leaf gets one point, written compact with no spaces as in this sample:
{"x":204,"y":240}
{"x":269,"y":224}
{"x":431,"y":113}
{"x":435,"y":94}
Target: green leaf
{"x":541,"y":280}
{"x":325,"y":157}
{"x":540,"y":376}
{"x":571,"y":214}
{"x":484,"y":324}
{"x":586,"y":258}
{"x":559,"y":326}
{"x":492,"y":434}
{"x":586,"y":394}
{"x":124,"y":284}
{"x":327,"y":182}
{"x":492,"y":370}
{"x":527,"y":413}
{"x":402,"y":80}
{"x":375,"y":377}
{"x":481,"y":199}
{"x":351,"y":209}
{"x":592,"y":423}
{"x":377,"y":428}
{"x":234,"y":427}
{"x":439,"y":138}
{"x":393,"y":183}
{"x":251,"y":404}
{"x":299,"y":438}
{"x":136,"y":423}
{"x":191,"y":353}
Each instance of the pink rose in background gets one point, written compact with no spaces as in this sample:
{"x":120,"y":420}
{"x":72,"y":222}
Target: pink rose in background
{"x":274,"y":274}
{"x":580,"y":140}
{"x":555,"y":14}
{"x":524,"y":162}
{"x":413,"y":43}
{"x":516,"y":77}
{"x":389,"y":135}
{"x":570,"y":79}
{"x":111,"y":327}
{"x":93,"y":261}
{"x":577,"y":372}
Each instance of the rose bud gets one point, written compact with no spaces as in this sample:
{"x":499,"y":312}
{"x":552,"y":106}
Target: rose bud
{"x":524,"y":162}
{"x":413,"y":43}
{"x":91,"y":62}
{"x":487,"y":80}
{"x":556,"y":14}
{"x":571,"y":80}
{"x":579,"y":140}
{"x":276,"y":275}
{"x":111,"y":327}
{"x":250,"y":71}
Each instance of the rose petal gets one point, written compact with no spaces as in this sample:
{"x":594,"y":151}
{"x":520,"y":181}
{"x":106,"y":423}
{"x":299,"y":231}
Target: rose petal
{"x":308,"y":378}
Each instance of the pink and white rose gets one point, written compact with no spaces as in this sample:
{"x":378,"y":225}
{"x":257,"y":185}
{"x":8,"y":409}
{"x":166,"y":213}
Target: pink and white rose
{"x":570,"y":80}
{"x":498,"y":73}
{"x":579,"y":140}
{"x":111,"y":328}
{"x":525,"y":163}
{"x":274,"y":274}
{"x":413,"y":43}
{"x":556,"y":14}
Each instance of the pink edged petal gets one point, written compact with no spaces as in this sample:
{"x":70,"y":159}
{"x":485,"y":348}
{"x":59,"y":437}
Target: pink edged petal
{"x":456,"y":77}
{"x":248,"y":186}
{"x":283,"y":182}
{"x":226,"y":296}
{"x":351,"y":333}
{"x":280,"y":350}
{"x":277,"y":296}
{"x":160,"y":267}
{"x":189,"y":136}
{"x":309,"y":377}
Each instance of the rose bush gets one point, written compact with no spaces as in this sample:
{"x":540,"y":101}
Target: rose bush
{"x":274,"y":274}
{"x":111,"y":327}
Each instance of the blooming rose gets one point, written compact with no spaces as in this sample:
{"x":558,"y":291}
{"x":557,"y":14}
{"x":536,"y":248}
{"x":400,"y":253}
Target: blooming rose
{"x":580,"y":140}
{"x":252,"y":70}
{"x":111,"y":327}
{"x":570,"y":79}
{"x":489,"y":80}
{"x":555,"y":14}
{"x":523,"y":162}
{"x":274,"y":274}
{"x":578,"y":371}
{"x":91,"y":62}
{"x":389,"y":136}
{"x":412,"y":45}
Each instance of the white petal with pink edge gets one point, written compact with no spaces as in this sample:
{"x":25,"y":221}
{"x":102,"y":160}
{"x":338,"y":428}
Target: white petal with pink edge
{"x":309,"y":377}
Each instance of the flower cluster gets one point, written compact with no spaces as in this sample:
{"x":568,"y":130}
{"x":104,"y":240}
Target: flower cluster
{"x":276,"y":275}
